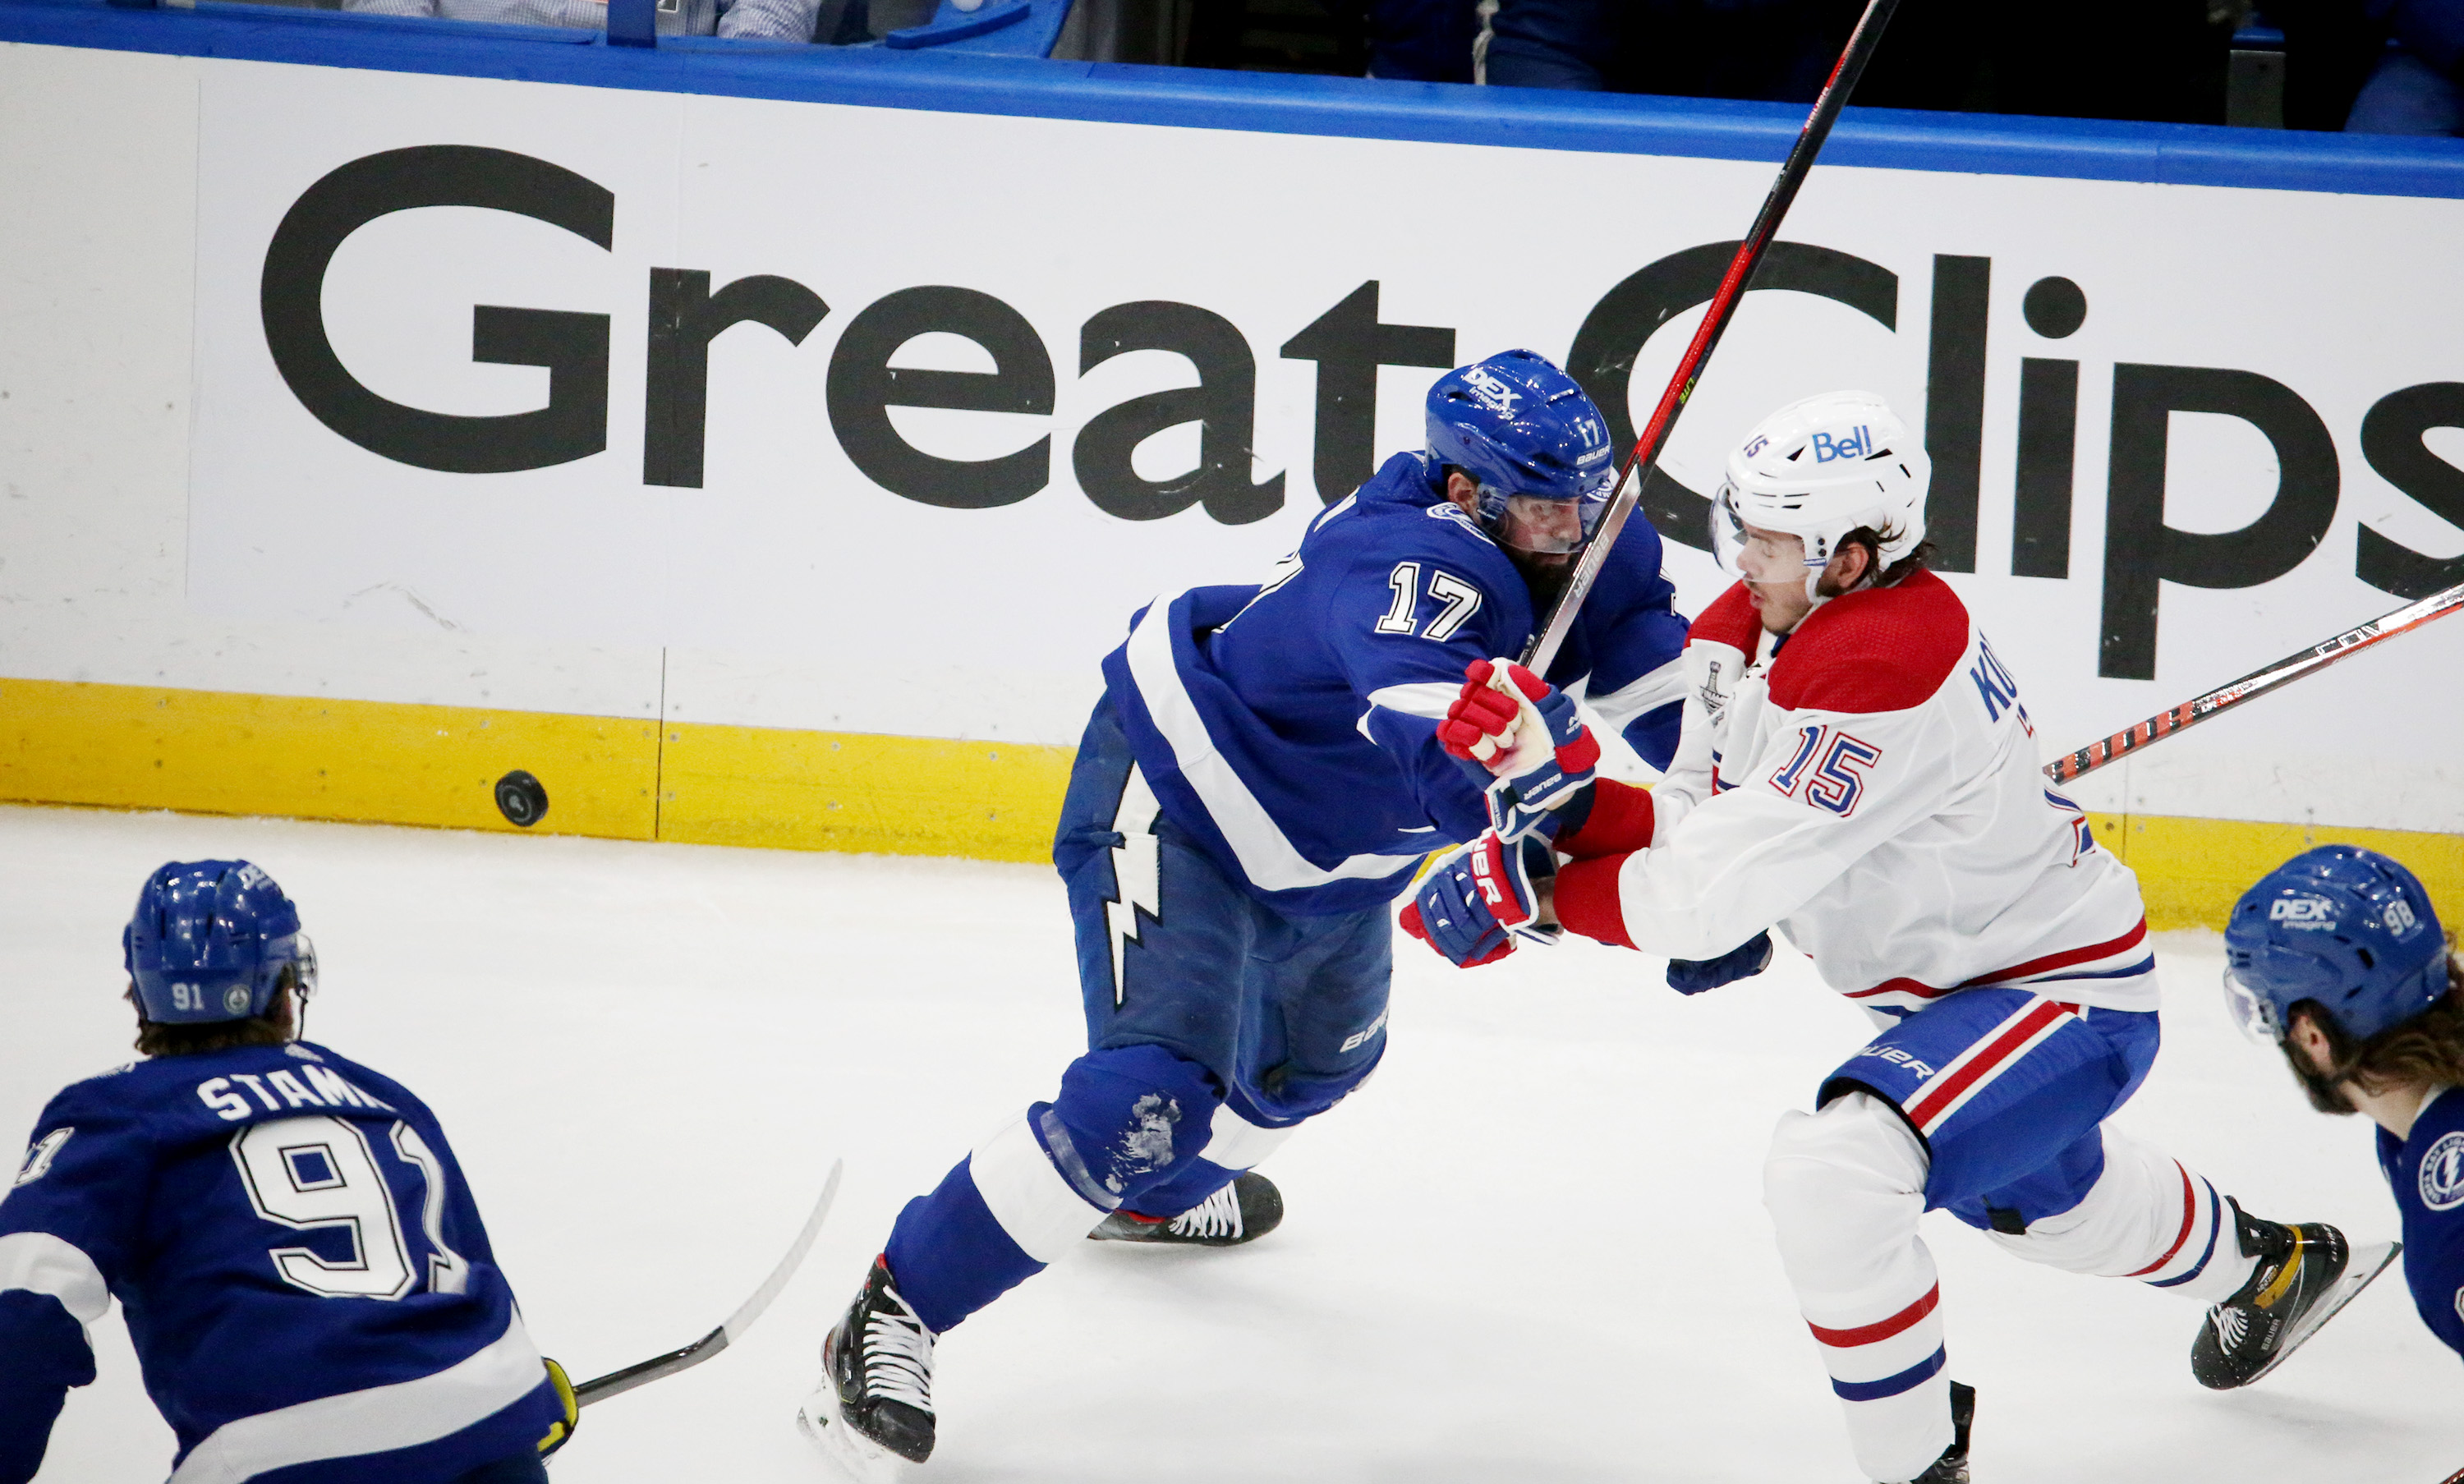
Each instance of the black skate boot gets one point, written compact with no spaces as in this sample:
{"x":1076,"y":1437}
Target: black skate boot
{"x":874,"y":1406}
{"x":1242,"y":1211}
{"x":1952,"y":1468}
{"x":2249,"y":1333}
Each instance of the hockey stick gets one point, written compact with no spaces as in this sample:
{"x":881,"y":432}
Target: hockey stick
{"x":616,"y":1383}
{"x":2257,"y":683}
{"x":1645,"y":452}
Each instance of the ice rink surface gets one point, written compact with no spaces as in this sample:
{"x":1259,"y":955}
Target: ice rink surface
{"x":1532,"y":1248}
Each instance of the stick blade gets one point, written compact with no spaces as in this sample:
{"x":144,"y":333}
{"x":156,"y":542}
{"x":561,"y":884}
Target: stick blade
{"x":617,"y":1382}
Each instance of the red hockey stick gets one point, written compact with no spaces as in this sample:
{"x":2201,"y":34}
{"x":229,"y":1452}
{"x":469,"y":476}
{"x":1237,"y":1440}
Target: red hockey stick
{"x":1715,"y":321}
{"x":2257,"y":683}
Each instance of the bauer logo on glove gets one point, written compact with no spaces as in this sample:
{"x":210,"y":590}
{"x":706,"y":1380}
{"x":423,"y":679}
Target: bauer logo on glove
{"x":1479,"y":899}
{"x":1523,"y":739}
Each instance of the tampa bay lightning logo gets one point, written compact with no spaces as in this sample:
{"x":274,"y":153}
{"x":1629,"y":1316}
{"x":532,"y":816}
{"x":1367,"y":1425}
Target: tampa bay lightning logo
{"x":2442,"y":1173}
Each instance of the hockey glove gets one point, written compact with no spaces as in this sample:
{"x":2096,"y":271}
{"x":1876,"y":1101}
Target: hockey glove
{"x":1478,"y":900}
{"x":560,"y":1433}
{"x":1523,"y":740}
{"x":1693,"y":976}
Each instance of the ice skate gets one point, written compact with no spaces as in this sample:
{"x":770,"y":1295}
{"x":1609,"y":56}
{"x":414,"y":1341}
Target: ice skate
{"x":1242,"y":1211}
{"x":872,"y":1414}
{"x":1952,"y":1468}
{"x":2304,"y":1275}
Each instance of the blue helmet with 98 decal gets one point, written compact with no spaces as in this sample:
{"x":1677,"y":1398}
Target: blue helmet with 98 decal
{"x":1535,"y":444}
{"x":209,"y":941}
{"x":1819,"y":469}
{"x":2347,"y":927}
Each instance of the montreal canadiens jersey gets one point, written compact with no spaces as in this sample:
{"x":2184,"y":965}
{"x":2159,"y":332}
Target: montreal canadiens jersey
{"x":301,"y":1267}
{"x":1870,"y":784}
{"x":2426,"y":1171}
{"x":1291,"y":728}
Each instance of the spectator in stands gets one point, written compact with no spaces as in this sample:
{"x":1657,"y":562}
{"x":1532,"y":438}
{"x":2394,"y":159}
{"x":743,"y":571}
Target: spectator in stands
{"x":2414,"y":88}
{"x":1749,"y":49}
{"x":764,"y":20}
{"x":1421,"y":40}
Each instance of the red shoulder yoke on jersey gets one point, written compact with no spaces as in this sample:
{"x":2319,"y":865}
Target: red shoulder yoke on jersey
{"x":1730,"y":620}
{"x":1586,"y":897}
{"x":1621,"y":819}
{"x":1876,"y":649}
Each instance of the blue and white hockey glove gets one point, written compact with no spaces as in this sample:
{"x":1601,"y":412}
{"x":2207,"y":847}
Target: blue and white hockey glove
{"x":1694,"y":975}
{"x":1478,"y":900}
{"x":1523,"y":739}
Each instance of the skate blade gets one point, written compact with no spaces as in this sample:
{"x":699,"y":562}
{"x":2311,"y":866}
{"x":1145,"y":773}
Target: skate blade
{"x":2366,"y":1263}
{"x":853,"y":1455}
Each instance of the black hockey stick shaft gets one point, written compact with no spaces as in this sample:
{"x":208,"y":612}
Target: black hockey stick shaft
{"x":2257,"y":683}
{"x":616,"y":1383}
{"x":1646,"y":450}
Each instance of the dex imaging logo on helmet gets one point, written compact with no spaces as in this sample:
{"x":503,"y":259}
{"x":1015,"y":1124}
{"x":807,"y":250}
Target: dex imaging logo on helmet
{"x":1828,"y":450}
{"x":2302,"y":911}
{"x":1495,"y":394}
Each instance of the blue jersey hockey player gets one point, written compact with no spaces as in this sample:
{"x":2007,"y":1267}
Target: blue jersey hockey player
{"x":1257,"y":783}
{"x":301,"y":1268}
{"x":2337,"y":957}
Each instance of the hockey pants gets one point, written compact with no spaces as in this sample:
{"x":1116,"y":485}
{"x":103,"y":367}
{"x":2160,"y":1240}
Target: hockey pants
{"x":1991,"y":1104}
{"x":1216,"y":1025}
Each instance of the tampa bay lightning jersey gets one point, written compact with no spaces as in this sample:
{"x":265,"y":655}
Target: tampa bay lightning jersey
{"x":2425,"y":1171}
{"x":301,"y":1267}
{"x":1291,"y":728}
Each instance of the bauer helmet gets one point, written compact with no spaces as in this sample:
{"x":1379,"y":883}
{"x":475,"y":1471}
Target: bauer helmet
{"x":1524,"y":430}
{"x":209,"y":941}
{"x":1821,"y":469}
{"x":2348,"y":928}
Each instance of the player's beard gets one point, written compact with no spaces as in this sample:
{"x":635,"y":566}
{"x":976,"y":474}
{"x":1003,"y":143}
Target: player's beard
{"x":1545,"y":577}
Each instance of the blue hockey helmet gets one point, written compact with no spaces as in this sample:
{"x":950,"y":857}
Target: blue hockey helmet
{"x":1524,"y":430}
{"x":209,"y":941}
{"x":2345,"y":927}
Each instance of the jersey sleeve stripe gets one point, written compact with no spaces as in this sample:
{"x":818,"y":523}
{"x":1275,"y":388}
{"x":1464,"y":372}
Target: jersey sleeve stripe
{"x":1266,"y":855}
{"x":37,"y":1262}
{"x":1429,"y":699}
{"x":375,"y":1420}
{"x":1652,"y":692}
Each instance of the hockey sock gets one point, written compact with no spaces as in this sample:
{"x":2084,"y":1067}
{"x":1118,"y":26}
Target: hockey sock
{"x":996,"y":1220}
{"x":2148,"y":1217}
{"x":1845,"y":1187}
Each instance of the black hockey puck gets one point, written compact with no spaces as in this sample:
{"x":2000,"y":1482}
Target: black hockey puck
{"x":521,"y":799}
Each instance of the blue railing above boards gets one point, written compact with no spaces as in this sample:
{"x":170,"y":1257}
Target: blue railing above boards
{"x":948,"y":78}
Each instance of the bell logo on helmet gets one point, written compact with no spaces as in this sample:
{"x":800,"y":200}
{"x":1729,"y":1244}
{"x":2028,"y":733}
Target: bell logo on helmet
{"x":2301,"y":912}
{"x":1856,"y":446}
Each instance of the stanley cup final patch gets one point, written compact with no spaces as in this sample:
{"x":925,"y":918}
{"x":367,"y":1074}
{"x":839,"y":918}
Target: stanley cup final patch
{"x":2442,"y":1173}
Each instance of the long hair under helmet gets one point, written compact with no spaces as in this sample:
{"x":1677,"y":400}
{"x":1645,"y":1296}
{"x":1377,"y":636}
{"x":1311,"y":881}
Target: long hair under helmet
{"x":1821,"y":469}
{"x":1522,"y":429}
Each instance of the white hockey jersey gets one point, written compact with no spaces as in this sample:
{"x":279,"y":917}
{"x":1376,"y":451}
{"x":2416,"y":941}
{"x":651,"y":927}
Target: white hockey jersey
{"x":1870,"y":785}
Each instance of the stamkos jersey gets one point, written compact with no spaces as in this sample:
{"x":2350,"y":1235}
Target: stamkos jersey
{"x":1291,"y":728}
{"x":1870,"y":784}
{"x":302,"y":1270}
{"x":2426,"y":1171}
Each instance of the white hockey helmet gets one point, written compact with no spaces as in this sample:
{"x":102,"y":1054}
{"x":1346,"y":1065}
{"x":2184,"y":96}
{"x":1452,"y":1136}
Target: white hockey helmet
{"x":1821,"y":469}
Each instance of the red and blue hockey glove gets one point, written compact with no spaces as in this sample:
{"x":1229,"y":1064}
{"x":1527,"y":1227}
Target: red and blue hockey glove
{"x":1692,"y":975}
{"x":1523,"y":739}
{"x":1478,"y":900}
